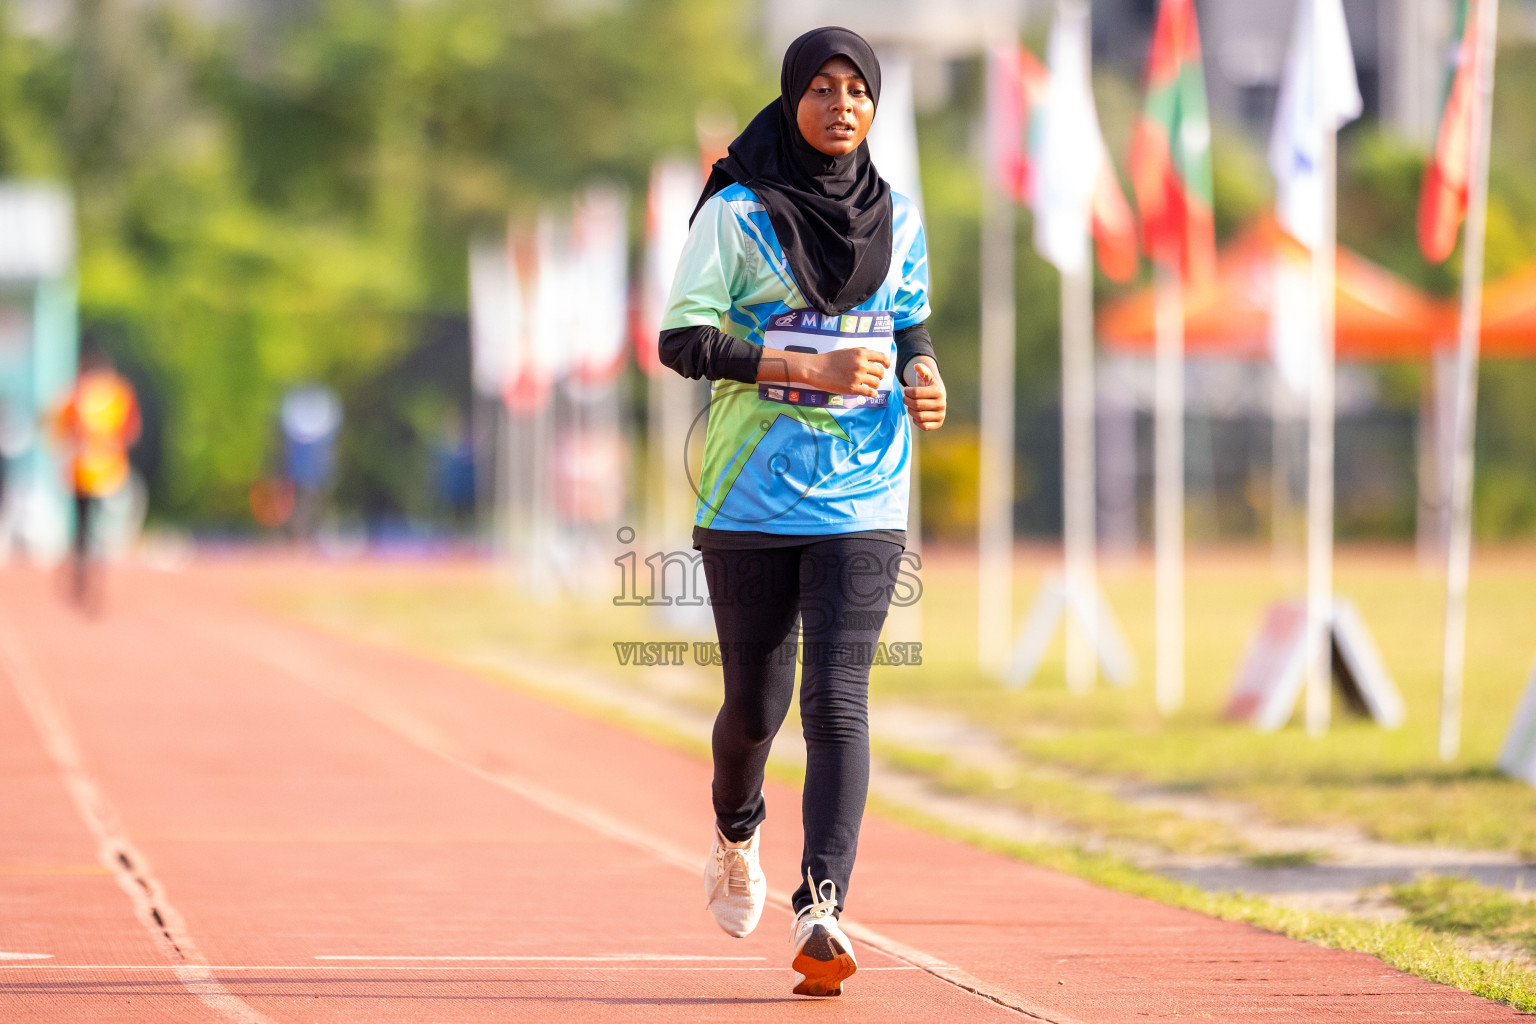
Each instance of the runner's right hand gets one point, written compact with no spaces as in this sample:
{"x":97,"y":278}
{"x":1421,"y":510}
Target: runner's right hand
{"x":849,"y":371}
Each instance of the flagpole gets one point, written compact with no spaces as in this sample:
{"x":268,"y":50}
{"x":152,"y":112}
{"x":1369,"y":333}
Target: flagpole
{"x":1078,"y":475}
{"x":1320,"y":443}
{"x":994,"y":592}
{"x":1169,"y":485}
{"x":893,"y":149}
{"x":1280,"y":505}
{"x":1079,"y":516}
{"x":1320,"y":428}
{"x":1467,"y":349}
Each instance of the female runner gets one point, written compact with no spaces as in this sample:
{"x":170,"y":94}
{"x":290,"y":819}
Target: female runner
{"x":802,"y":293}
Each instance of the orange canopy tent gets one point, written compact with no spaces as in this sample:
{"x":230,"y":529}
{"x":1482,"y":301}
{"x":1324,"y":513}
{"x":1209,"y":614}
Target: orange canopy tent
{"x":1509,"y":316}
{"x":1378,"y":315}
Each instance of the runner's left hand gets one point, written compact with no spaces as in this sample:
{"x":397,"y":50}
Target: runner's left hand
{"x":926,"y":399}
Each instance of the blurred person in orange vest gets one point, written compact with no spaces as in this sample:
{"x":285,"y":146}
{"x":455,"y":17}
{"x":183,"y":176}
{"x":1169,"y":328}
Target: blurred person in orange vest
{"x":97,"y":423}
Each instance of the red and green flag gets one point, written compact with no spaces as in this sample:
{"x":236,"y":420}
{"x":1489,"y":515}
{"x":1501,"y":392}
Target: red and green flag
{"x":1171,"y":150}
{"x":1114,"y":226}
{"x":1016,"y":88}
{"x":1443,"y":200}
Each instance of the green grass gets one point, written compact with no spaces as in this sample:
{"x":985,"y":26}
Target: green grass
{"x":1290,"y":859}
{"x":1069,"y":802}
{"x":1389,"y":783}
{"x":1464,"y":907}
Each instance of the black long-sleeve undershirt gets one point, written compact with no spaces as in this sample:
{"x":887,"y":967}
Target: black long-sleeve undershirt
{"x":712,"y":354}
{"x":912,"y":342}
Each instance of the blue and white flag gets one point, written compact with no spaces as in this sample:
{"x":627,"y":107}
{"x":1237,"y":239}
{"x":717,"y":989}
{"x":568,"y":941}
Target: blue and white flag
{"x":1319,"y":93}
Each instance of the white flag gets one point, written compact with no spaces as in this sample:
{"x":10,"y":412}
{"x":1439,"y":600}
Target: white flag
{"x":1070,"y":151}
{"x":549,"y":351}
{"x":1319,"y":93}
{"x":600,"y":263}
{"x":893,"y":136}
{"x":674,"y":191}
{"x":495,"y":320}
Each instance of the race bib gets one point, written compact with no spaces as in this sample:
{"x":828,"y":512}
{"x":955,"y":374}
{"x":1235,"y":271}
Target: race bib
{"x":804,"y":330}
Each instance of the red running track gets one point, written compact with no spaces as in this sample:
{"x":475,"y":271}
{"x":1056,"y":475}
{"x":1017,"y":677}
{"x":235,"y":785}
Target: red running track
{"x":211,"y":814}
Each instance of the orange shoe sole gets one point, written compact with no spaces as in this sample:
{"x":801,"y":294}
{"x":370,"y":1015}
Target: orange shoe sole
{"x":823,"y":965}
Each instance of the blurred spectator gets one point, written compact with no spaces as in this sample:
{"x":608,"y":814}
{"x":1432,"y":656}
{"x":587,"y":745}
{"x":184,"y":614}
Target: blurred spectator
{"x":96,"y":423}
{"x":454,"y":471}
{"x":311,"y":420}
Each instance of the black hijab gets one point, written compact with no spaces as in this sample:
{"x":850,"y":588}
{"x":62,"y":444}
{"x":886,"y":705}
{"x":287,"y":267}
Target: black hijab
{"x":832,"y":213}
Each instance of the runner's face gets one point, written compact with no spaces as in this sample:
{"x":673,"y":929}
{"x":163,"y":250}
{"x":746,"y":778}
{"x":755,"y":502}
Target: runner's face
{"x":836,"y":111}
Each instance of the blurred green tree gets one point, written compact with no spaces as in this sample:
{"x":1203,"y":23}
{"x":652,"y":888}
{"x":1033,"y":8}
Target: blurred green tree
{"x":288,"y":197}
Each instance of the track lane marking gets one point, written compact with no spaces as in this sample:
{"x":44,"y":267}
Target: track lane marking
{"x":597,"y":958}
{"x":166,"y":927}
{"x":284,"y":651}
{"x":41,"y":968}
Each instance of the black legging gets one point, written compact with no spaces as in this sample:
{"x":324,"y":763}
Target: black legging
{"x":839,"y":590}
{"x":86,"y":508}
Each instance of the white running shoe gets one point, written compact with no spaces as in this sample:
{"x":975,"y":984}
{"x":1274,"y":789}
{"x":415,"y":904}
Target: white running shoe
{"x":823,"y":955}
{"x":734,"y":884}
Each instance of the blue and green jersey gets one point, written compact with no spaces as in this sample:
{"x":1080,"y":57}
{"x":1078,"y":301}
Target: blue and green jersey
{"x":787,"y":458}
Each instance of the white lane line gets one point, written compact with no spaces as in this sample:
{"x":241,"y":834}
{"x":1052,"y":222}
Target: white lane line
{"x":282,"y":650}
{"x":601,"y":958}
{"x":117,"y":853}
{"x":26,"y":956}
{"x":399,"y":968}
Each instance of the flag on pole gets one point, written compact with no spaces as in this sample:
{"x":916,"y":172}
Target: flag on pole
{"x":1068,"y":152}
{"x":1073,"y":155}
{"x":1318,"y":94}
{"x":673,"y":191}
{"x":1171,"y":149}
{"x":1461,"y":167}
{"x":1016,"y":89}
{"x":548,"y":323}
{"x":1019,"y":97}
{"x":600,"y":268}
{"x":495,"y":319}
{"x":1114,"y":226}
{"x":1443,"y":199}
